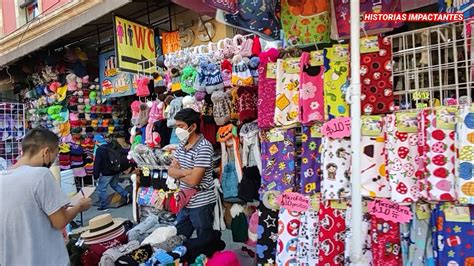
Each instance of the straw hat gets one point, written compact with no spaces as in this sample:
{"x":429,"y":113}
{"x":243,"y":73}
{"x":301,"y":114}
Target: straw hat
{"x":102,"y":224}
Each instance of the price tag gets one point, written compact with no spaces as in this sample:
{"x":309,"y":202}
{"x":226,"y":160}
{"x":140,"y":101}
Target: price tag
{"x":340,"y":53}
{"x":423,"y":211}
{"x":293,"y":201}
{"x":446,"y":118}
{"x":457,"y":214}
{"x":390,"y":211}
{"x":369,"y":44}
{"x":372,"y":125}
{"x":316,"y":58}
{"x":276,"y":135}
{"x":337,"y":128}
{"x":316,"y":131}
{"x":336,"y":204}
{"x":272,"y":70}
{"x":407,"y":122}
{"x":291,"y":65}
{"x":421,"y":95}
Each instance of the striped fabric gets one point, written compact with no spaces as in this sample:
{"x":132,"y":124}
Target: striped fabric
{"x":200,"y":155}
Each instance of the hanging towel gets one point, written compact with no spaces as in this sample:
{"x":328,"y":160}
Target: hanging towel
{"x":336,"y":168}
{"x":465,"y":144}
{"x":335,"y":78}
{"x":401,"y":152}
{"x":310,"y":174}
{"x":266,"y":89}
{"x":373,"y":173}
{"x":311,"y":91}
{"x":288,"y":227}
{"x":287,"y":95}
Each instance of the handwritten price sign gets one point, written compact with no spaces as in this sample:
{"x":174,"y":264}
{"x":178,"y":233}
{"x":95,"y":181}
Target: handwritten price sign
{"x":337,"y":128}
{"x":293,"y":201}
{"x":390,"y":211}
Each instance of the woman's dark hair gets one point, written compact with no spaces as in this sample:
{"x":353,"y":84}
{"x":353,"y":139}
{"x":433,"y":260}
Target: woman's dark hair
{"x":189,"y":116}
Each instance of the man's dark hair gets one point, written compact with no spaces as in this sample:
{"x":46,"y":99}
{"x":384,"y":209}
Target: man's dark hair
{"x":189,"y":116}
{"x":37,"y":139}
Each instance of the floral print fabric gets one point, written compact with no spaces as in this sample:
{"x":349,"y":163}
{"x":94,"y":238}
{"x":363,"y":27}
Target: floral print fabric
{"x":335,"y":78}
{"x":311,"y":91}
{"x":288,"y":228}
{"x":336,"y":168}
{"x":287,"y":96}
{"x":373,"y":173}
{"x":310,"y":173}
{"x":376,"y":79}
{"x":278,"y":159}
{"x":401,"y":151}
{"x":465,"y":168}
{"x":331,"y":235}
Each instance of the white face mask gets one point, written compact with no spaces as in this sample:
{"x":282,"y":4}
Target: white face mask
{"x":182,"y":134}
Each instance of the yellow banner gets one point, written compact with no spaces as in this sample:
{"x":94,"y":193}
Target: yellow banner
{"x":134,"y":43}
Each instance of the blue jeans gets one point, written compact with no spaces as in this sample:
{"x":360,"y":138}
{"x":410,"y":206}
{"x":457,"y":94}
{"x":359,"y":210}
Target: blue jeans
{"x":200,"y":219}
{"x":104,"y":182}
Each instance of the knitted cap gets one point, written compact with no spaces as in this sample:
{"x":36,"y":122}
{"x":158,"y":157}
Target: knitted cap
{"x":142,"y":89}
{"x":214,"y":79}
{"x":247,"y":103}
{"x":221,"y":108}
{"x":226,"y":67}
{"x":253,"y":67}
{"x":240,"y":72}
{"x":175,"y":106}
{"x":188,"y":79}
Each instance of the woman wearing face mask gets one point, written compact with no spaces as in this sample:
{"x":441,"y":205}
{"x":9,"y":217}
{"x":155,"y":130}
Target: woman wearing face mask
{"x":34,"y":209}
{"x":192,"y":166}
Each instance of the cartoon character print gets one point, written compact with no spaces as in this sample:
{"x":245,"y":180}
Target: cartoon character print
{"x":288,"y":228}
{"x":331,"y":235}
{"x":386,"y":242}
{"x":336,"y":164}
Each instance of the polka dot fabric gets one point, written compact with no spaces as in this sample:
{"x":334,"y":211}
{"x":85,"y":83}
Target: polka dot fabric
{"x":376,"y":80}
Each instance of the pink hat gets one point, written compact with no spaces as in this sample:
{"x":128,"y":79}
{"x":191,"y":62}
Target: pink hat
{"x":142,"y":90}
{"x":227,"y":258}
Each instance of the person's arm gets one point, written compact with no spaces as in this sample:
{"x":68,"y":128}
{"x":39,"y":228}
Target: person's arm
{"x":53,"y":202}
{"x":98,"y":163}
{"x":202,"y":162}
{"x":65,"y":215}
{"x":175,"y":170}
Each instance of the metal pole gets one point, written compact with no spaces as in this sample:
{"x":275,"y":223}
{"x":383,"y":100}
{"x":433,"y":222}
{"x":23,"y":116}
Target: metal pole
{"x":356,"y":221}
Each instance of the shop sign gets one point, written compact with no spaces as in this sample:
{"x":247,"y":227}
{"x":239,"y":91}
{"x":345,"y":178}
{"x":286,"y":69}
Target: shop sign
{"x":293,"y":201}
{"x":390,"y":211}
{"x":337,"y":128}
{"x":170,"y":42}
{"x":134,"y":43}
{"x":114,"y":83}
